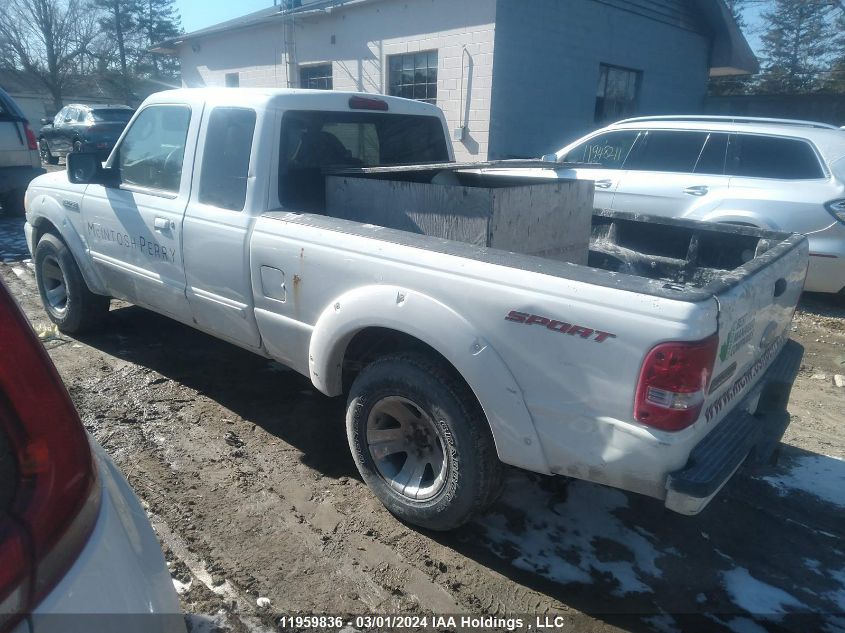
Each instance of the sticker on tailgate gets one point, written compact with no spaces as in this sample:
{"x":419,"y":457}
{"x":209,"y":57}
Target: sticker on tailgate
{"x":746,"y":379}
{"x":740,"y":334}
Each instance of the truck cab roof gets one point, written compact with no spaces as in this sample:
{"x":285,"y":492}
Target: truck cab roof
{"x":286,"y":98}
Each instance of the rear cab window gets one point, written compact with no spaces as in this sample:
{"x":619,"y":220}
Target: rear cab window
{"x":314,"y":141}
{"x":757,"y":156}
{"x":607,"y":151}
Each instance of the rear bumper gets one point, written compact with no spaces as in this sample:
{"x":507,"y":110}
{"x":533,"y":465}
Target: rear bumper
{"x":740,"y":436}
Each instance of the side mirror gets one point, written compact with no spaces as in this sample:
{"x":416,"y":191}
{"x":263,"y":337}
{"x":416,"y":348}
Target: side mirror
{"x":46,"y":121}
{"x":549,"y":158}
{"x":84,"y":168}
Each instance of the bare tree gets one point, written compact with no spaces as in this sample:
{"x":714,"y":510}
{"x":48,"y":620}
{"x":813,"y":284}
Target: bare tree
{"x":45,"y":38}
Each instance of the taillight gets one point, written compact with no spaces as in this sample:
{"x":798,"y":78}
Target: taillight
{"x":673,"y":383}
{"x":55,"y":493}
{"x":368,"y":103}
{"x":31,"y":141}
{"x":836,"y":208}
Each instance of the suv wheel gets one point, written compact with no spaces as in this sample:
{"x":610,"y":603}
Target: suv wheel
{"x":46,"y":156}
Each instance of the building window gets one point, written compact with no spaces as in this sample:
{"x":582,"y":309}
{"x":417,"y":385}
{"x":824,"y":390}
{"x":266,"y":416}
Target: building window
{"x":413,"y":76}
{"x":316,"y":77}
{"x":233,"y":80}
{"x":617,"y":93}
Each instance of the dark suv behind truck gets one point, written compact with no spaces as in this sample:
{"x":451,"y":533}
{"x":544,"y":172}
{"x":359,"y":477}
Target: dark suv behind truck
{"x":19,"y":161}
{"x":82,"y":128}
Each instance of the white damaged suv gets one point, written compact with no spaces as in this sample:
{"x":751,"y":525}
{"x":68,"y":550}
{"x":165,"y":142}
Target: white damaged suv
{"x":776,"y":174}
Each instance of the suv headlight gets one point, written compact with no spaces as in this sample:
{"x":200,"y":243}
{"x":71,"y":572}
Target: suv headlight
{"x":836,"y":208}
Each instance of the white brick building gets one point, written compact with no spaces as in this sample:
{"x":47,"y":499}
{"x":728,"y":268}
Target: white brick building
{"x":550,"y":55}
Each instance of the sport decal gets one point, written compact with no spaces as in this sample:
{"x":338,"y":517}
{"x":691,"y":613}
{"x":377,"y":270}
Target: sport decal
{"x":561,"y":327}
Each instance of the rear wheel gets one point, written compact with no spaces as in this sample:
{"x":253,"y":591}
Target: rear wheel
{"x":46,"y":155}
{"x":65,"y":295}
{"x":421,"y":441}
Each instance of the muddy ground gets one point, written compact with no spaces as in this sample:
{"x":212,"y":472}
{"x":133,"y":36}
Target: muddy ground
{"x":245,"y":471}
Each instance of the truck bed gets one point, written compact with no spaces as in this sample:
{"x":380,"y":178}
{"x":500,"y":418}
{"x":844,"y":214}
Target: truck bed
{"x":665,"y":257}
{"x":669,"y":258}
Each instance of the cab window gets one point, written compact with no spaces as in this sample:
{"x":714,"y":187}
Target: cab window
{"x":225,"y":160}
{"x":152,"y":151}
{"x":313,"y":142}
{"x":608,"y":151}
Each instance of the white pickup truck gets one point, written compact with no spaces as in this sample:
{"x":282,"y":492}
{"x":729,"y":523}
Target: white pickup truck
{"x":658,"y":368}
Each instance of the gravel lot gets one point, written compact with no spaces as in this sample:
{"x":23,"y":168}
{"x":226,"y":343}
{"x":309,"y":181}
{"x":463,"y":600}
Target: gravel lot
{"x":244,"y":469}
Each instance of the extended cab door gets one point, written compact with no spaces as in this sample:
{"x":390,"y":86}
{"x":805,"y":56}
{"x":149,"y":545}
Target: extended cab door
{"x":600,"y":158}
{"x":133,"y":226}
{"x":217,"y":225}
{"x":673,"y":172}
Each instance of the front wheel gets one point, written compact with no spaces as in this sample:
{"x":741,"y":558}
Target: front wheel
{"x":421,"y":441}
{"x":65,"y":295}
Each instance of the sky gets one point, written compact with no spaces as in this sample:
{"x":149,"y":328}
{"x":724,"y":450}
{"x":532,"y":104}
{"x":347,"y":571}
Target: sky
{"x":198,"y":14}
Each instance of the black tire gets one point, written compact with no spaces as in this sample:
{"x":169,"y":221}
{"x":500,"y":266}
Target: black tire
{"x":12,"y":202}
{"x":473,"y":474}
{"x":46,"y":155}
{"x":81,"y":309}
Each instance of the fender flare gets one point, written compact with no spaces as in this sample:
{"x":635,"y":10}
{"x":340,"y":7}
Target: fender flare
{"x":451,"y":335}
{"x":46,"y":210}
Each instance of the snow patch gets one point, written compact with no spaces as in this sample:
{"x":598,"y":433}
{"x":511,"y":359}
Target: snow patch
{"x":758,"y":597}
{"x":813,"y":565}
{"x":200,"y":623}
{"x":834,"y":625}
{"x":819,"y":475}
{"x":567,"y":540}
{"x":664,"y":623}
{"x":838,"y":597}
{"x":182,"y":587}
{"x":744,"y":625}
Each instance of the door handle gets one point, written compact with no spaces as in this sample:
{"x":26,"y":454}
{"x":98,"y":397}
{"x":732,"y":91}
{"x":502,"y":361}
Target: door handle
{"x":698,"y":190}
{"x":161,"y":224}
{"x":604,"y":184}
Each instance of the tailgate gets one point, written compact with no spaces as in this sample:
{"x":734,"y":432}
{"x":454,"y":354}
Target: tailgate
{"x":755,"y":313}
